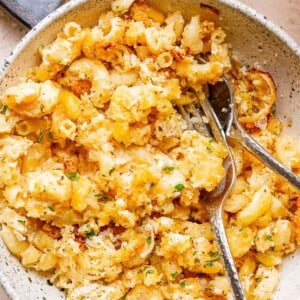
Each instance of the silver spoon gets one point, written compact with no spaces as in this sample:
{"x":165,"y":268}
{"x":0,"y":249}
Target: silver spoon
{"x":213,"y":201}
{"x":222,"y":99}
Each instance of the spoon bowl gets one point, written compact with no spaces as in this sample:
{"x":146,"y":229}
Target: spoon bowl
{"x":221,"y":97}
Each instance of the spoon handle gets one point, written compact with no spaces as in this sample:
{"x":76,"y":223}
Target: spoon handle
{"x":229,"y":265}
{"x":214,"y":204}
{"x":264,"y":156}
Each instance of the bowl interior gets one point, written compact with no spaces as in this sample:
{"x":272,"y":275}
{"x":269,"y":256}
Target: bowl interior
{"x":254,"y":41}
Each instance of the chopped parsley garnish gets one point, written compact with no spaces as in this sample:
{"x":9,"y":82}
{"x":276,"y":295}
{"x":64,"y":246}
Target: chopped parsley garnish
{"x":40,"y":137}
{"x":182,"y":283}
{"x":209,"y":149}
{"x":214,"y":254}
{"x":4,"y":109}
{"x":50,"y":208}
{"x":269,"y":238}
{"x":72,"y":176}
{"x":196,"y":260}
{"x":90,"y":234}
{"x":208,"y":264}
{"x":50,"y":135}
{"x":179,"y":187}
{"x":149,"y":271}
{"x":111,"y":171}
{"x":174,"y":274}
{"x":102,"y":197}
{"x":168,"y":169}
{"x":21,"y":221}
{"x":149,"y":240}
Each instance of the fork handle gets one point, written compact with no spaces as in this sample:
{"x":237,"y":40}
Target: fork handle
{"x":264,"y":156}
{"x":228,"y":262}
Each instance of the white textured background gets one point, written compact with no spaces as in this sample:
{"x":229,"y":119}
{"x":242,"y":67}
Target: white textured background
{"x":285,"y":13}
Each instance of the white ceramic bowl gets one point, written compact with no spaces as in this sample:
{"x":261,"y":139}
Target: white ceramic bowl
{"x":255,"y":40}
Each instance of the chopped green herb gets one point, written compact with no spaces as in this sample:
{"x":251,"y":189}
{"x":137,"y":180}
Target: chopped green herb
{"x":40,"y":137}
{"x":209,"y":149}
{"x":273,"y":112}
{"x":269,"y":238}
{"x":90,"y":234}
{"x":173,"y":275}
{"x":111,"y":171}
{"x":149,"y":240}
{"x":149,"y":271}
{"x":72,"y":176}
{"x":208,"y":264}
{"x":104,"y":282}
{"x":4,"y":109}
{"x":168,"y":169}
{"x":179,"y":187}
{"x":196,"y":260}
{"x":214,"y":254}
{"x":50,"y":135}
{"x":182,"y":283}
{"x":50,"y":208}
{"x":21,"y":221}
{"x":102,"y":197}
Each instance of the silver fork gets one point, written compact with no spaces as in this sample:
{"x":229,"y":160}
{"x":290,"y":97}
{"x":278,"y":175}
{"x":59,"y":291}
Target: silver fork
{"x":214,"y":200}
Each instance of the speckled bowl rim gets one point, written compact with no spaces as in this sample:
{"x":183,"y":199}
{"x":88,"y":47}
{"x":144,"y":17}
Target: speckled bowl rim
{"x":250,"y":12}
{"x":64,"y":9}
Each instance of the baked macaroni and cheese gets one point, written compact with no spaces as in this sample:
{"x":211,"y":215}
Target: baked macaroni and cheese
{"x":101,"y":178}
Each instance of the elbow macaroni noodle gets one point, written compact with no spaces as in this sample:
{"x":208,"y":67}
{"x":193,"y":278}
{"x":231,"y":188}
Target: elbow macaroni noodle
{"x":101,"y":178}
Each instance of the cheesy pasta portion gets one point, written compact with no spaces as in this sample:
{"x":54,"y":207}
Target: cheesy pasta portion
{"x":101,"y":178}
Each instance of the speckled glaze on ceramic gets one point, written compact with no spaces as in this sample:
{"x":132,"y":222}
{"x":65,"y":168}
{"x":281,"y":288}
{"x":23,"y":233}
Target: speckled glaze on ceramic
{"x":255,"y":41}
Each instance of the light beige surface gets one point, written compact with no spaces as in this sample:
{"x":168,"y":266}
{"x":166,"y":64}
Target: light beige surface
{"x":282,"y":12}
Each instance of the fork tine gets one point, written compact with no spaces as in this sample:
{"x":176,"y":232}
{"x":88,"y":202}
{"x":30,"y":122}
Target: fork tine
{"x":195,"y":119}
{"x":214,"y":200}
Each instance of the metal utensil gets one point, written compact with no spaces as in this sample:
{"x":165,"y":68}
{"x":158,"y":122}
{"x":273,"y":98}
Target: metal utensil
{"x":30,"y":12}
{"x":221,"y":97}
{"x":214,"y":200}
